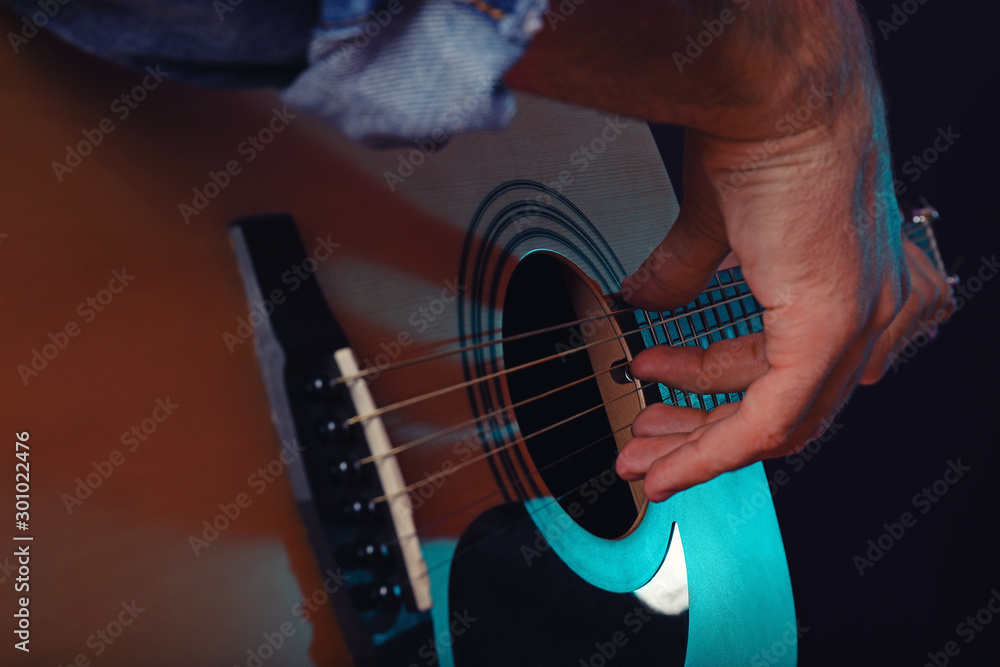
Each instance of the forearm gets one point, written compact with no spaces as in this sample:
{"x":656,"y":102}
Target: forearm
{"x":654,"y":60}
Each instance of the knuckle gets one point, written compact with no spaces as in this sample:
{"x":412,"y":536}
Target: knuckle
{"x":758,"y":350}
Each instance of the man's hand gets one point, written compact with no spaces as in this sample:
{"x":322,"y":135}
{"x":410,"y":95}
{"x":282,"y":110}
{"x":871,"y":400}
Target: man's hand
{"x":787,"y":166}
{"x":816,"y":230}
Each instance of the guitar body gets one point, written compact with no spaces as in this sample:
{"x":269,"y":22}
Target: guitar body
{"x":427,"y":257}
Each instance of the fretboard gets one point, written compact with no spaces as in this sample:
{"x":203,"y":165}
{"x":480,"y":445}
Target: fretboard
{"x":727,"y":309}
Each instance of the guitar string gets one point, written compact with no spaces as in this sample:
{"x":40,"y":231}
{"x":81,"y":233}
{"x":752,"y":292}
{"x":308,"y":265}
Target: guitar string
{"x":520,"y":479}
{"x":475,"y":420}
{"x":508,"y":526}
{"x":480,"y":499}
{"x":416,"y":399}
{"x":511,"y":524}
{"x":485,"y":455}
{"x":534,"y":473}
{"x":451,"y":429}
{"x":527,"y":334}
{"x":524,"y":438}
{"x":444,"y":353}
{"x":467,"y":383}
{"x":424,"y":439}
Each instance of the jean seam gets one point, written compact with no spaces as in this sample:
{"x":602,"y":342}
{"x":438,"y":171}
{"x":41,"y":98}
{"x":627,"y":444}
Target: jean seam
{"x":494,"y":13}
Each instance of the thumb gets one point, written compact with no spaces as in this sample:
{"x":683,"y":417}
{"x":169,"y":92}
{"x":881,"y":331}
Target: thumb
{"x":682,"y":265}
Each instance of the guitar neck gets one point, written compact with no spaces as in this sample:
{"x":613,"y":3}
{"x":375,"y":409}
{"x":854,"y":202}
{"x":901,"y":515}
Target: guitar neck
{"x":727,"y":309}
{"x":917,"y":228}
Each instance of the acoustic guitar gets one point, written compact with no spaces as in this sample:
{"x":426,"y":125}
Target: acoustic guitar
{"x":373,"y":421}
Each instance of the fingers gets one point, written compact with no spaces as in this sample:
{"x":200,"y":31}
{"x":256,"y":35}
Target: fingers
{"x":725,"y":366}
{"x":748,"y":433}
{"x":658,"y":430}
{"x":782,"y":409}
{"x":693,"y":461}
{"x":929,"y":304}
{"x":878,"y":363}
{"x":681,"y":266}
{"x":663,"y":419}
{"x":943,"y":295}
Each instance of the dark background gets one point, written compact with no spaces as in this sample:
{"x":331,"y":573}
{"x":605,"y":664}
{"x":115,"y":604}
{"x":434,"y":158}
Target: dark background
{"x":939,"y":70}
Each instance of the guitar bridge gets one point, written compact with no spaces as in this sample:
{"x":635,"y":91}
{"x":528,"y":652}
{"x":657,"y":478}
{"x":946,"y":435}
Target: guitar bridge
{"x":345,"y":478}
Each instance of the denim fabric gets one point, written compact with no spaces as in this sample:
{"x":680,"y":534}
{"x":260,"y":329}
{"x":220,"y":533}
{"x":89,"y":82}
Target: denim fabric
{"x":257,"y":43}
{"x":382,"y":71}
{"x":416,"y":69}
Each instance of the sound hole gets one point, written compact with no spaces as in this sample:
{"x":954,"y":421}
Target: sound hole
{"x":575,"y":459}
